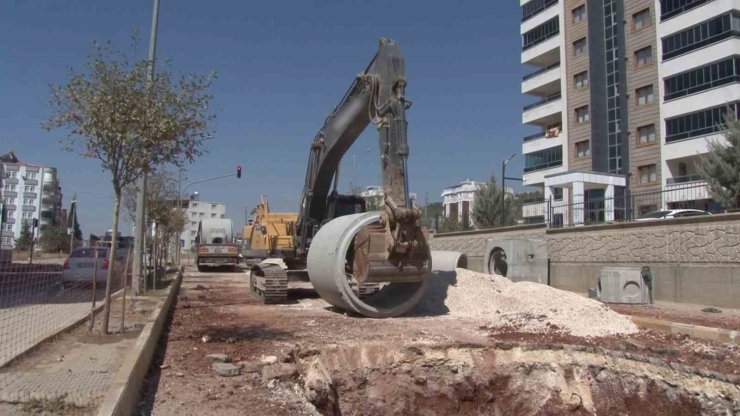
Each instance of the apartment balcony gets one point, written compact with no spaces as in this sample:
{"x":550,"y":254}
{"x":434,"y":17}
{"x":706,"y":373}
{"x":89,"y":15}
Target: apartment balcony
{"x":537,"y":177}
{"x":538,"y":12}
{"x":544,"y":53}
{"x":544,"y":112}
{"x":702,"y":100}
{"x":674,"y":150}
{"x":688,"y":188}
{"x":543,"y":82}
{"x":543,"y":140}
{"x":691,"y":13}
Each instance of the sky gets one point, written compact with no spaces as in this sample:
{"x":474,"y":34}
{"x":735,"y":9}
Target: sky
{"x":282,"y":67}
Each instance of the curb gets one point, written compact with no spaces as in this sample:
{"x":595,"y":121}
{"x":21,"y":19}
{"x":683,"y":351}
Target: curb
{"x":694,"y":331}
{"x":67,"y":328}
{"x":126,"y":385}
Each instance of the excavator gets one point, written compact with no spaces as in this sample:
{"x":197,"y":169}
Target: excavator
{"x":376,"y":264}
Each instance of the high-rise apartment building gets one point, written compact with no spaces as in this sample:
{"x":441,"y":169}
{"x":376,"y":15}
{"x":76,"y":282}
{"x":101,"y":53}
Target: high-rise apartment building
{"x":29,"y":191}
{"x":627,"y":94}
{"x":196,"y":210}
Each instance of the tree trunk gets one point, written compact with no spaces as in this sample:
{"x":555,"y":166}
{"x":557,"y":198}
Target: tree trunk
{"x":111,"y":261}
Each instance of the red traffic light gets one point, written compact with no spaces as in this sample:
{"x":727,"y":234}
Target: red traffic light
{"x":238,"y":171}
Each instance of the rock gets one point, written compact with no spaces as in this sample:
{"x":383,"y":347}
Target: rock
{"x":711,"y":310}
{"x":602,"y":376}
{"x":206,"y":339}
{"x":286,"y":359}
{"x":271,"y":384}
{"x":251,"y":366}
{"x":179,"y":375}
{"x":631,"y":344}
{"x":226,"y":369}
{"x":308,"y":352}
{"x":280,"y":371}
{"x":270,"y":359}
{"x":218,"y":358}
{"x":421,"y":380}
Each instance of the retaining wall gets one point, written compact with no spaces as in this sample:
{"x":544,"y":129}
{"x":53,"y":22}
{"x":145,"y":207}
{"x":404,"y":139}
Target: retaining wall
{"x":693,"y":260}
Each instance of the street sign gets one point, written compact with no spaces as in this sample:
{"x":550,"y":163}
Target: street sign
{"x":70,"y":231}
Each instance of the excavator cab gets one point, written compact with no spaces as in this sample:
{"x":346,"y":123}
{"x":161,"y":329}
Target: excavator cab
{"x":341,"y":205}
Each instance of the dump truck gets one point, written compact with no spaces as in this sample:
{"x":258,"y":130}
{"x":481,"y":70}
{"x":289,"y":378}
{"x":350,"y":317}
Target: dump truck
{"x":216,"y":244}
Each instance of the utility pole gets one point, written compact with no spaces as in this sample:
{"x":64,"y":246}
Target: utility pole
{"x":73,"y":215}
{"x":503,"y":189}
{"x":141,"y":202}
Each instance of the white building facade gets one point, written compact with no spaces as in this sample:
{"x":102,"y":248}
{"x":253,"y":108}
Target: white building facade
{"x":458,"y":201}
{"x":625,"y":95}
{"x":28,"y":191}
{"x":196,"y":210}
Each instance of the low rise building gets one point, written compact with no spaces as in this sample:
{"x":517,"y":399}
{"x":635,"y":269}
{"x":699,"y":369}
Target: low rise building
{"x":196,"y":210}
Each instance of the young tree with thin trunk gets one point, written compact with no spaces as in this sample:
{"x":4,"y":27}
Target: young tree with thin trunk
{"x":487,"y":206}
{"x":131,"y":125}
{"x":721,"y":166}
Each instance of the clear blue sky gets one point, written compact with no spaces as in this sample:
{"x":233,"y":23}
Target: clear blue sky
{"x":282,"y":66}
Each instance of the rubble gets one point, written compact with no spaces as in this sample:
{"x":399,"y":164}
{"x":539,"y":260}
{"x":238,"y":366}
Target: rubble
{"x":226,"y":369}
{"x":280,"y":371}
{"x":218,"y":358}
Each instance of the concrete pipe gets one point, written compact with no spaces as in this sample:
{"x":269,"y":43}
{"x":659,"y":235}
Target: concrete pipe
{"x":326,"y":264}
{"x":448,"y":261}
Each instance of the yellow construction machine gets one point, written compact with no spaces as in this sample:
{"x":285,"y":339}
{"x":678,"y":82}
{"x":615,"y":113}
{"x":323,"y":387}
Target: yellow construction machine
{"x":268,"y":233}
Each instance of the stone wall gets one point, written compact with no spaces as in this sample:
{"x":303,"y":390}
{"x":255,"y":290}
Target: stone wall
{"x":693,"y":260}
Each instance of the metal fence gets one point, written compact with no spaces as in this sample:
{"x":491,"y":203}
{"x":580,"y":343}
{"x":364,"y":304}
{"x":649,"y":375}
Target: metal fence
{"x":43,"y":297}
{"x":595,"y":208}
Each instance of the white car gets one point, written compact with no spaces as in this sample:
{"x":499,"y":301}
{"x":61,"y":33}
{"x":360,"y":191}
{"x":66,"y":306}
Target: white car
{"x":672,"y":213}
{"x":80,"y":266}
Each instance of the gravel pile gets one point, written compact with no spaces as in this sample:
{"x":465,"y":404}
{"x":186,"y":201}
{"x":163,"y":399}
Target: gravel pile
{"x":522,"y":306}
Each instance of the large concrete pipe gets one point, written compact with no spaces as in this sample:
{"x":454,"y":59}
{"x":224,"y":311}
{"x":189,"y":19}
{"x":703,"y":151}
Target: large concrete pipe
{"x":327,"y":272}
{"x":448,"y":261}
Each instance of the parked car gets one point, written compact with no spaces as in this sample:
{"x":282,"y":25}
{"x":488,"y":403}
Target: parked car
{"x":672,"y":213}
{"x":80,"y":266}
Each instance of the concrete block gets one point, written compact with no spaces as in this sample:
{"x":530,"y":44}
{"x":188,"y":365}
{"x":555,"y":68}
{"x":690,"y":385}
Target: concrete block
{"x":226,"y":369}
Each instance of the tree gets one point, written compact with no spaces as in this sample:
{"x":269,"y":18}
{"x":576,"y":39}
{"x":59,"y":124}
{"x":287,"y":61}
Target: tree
{"x":23,"y":243}
{"x":114,"y":113}
{"x":433,"y":213}
{"x":54,"y":240}
{"x":720,"y":166}
{"x":487,"y":206}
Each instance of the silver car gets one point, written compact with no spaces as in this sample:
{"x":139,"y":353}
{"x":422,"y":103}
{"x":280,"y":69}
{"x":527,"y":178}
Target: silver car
{"x":80,"y":266}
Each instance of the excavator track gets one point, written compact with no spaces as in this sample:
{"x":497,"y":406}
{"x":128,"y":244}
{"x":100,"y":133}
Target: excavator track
{"x":269,"y":284}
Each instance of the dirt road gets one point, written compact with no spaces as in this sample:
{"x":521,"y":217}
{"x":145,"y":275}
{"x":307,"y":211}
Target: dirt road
{"x":307,"y":358}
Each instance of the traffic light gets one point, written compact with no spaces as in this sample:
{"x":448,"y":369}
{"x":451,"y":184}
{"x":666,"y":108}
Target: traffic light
{"x":238,"y":171}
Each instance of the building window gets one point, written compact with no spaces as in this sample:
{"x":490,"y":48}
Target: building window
{"x":27,"y":215}
{"x":29,"y":201}
{"x":8,"y":227}
{"x":672,"y":8}
{"x":544,"y":159}
{"x":701,"y":35}
{"x":581,"y":114}
{"x":644,"y":57}
{"x":10,"y":174}
{"x":10,"y":187}
{"x":192,"y":242}
{"x":213,"y":215}
{"x":702,"y":79}
{"x":201,"y":215}
{"x":193,"y":224}
{"x":579,"y":47}
{"x":646,"y":135}
{"x":223,"y":215}
{"x":31,"y":175}
{"x":579,"y":14}
{"x":647,"y":174}
{"x":30,"y":188}
{"x":583,"y":148}
{"x":645,"y":95}
{"x":9,"y":201}
{"x":581,"y":80}
{"x":541,"y":33}
{"x":194,"y":214}
{"x":641,"y":19}
{"x":558,"y":194}
{"x":697,"y":124}
{"x":11,"y":214}
{"x":213,"y":206}
{"x":192,"y":233}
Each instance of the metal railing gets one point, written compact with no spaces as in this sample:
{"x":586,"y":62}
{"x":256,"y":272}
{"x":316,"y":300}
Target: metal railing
{"x":626,"y":207}
{"x":667,"y":12}
{"x":541,"y":40}
{"x":539,"y":6}
{"x":684,"y":179}
{"x":541,"y":71}
{"x":550,"y":99}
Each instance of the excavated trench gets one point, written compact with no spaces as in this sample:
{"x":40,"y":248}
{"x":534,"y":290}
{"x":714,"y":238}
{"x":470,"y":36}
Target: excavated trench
{"x":471,"y":380}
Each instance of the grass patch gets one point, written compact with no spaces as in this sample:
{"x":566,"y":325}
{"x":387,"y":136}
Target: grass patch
{"x":56,"y":406}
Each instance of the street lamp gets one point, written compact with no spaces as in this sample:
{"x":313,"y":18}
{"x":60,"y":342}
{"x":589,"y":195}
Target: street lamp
{"x":354,"y":167}
{"x":503,"y":188}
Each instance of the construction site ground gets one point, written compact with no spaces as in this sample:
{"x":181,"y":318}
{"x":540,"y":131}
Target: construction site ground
{"x":306,"y":357}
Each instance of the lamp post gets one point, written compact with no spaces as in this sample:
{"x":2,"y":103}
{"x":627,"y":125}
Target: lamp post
{"x":354,"y":167}
{"x":503,"y":189}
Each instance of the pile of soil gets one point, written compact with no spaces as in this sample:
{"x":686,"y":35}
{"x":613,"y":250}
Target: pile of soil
{"x":529,"y":307}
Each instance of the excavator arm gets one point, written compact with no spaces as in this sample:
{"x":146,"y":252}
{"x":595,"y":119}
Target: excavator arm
{"x":377,"y":98}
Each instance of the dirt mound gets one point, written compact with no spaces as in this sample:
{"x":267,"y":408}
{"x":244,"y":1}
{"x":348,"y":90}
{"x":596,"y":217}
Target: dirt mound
{"x":523,"y":306}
